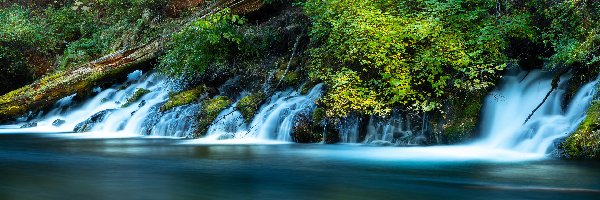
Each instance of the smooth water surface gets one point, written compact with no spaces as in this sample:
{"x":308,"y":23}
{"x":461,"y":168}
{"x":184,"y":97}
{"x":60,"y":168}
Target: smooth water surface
{"x":51,"y":166}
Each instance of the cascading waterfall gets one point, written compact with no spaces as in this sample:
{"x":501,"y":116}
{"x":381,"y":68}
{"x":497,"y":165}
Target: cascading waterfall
{"x":113,"y":116}
{"x":507,"y":108}
{"x":502,"y":128}
{"x":397,"y":130}
{"x":273,"y":121}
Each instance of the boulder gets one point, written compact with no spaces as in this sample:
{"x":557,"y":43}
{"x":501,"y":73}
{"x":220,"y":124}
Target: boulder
{"x":58,"y":122}
{"x":91,"y":122}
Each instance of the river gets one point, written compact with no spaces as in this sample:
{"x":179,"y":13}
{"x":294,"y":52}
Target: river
{"x":61,"y":166}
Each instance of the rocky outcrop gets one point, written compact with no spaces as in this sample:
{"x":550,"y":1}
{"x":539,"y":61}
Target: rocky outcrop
{"x":89,"y":123}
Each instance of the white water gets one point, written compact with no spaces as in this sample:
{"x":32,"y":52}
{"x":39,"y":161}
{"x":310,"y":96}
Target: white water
{"x":122,"y":121}
{"x":502,"y":129}
{"x":273,"y":121}
{"x":507,"y":108}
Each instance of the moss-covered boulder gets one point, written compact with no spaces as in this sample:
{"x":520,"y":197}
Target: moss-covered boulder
{"x":250,"y":104}
{"x":184,"y":98}
{"x":137,"y":95}
{"x":460,"y":119}
{"x":210,"y":110}
{"x":585,"y":142}
{"x":311,"y":128}
{"x":305,"y":132}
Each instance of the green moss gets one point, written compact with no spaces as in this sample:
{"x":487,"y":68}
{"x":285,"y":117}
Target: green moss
{"x":585,"y":142}
{"x":210,"y":110}
{"x":183,"y":98}
{"x":307,"y":87}
{"x":139,"y":93}
{"x":290,"y":78}
{"x":249,"y":104}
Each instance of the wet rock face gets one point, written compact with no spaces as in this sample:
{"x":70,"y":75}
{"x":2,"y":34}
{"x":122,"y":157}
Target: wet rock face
{"x":29,"y":125}
{"x":305,"y":132}
{"x":94,"y":120}
{"x":58,"y":122}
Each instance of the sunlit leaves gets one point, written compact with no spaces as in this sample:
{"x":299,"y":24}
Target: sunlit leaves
{"x":404,"y":53}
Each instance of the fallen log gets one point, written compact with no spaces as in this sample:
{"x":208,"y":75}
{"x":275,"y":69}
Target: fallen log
{"x":49,"y":89}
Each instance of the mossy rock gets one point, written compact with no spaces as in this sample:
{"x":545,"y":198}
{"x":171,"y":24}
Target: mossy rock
{"x":304,"y":131}
{"x":183,"y":98}
{"x":585,"y":142}
{"x":137,"y":95}
{"x":462,"y":117}
{"x":209,"y":112}
{"x":291,"y":78}
{"x":310,"y":129}
{"x":307,"y":87}
{"x":250,"y":104}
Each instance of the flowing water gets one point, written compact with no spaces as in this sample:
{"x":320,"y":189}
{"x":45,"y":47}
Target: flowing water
{"x":507,"y":109}
{"x":136,"y":152}
{"x":58,"y":166}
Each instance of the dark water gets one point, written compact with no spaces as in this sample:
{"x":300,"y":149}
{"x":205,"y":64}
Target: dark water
{"x":35,"y":166}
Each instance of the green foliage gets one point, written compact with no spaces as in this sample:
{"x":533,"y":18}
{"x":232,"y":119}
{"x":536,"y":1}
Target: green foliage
{"x":574,"y":32}
{"x":379,"y":54}
{"x":249,"y":105}
{"x":137,"y":95}
{"x":206,"y":42}
{"x":183,"y":98}
{"x":13,"y":66}
{"x":318,"y":115}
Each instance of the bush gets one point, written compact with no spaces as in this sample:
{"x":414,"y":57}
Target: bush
{"x":206,"y":42}
{"x":382,"y":54}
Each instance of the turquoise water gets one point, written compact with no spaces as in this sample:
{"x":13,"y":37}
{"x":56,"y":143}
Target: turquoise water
{"x":51,"y":166}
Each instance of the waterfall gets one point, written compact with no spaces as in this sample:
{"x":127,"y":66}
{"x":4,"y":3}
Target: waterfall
{"x":519,"y":93}
{"x":108,"y":111}
{"x":395,"y":130}
{"x":273,"y":121}
{"x":113,"y":111}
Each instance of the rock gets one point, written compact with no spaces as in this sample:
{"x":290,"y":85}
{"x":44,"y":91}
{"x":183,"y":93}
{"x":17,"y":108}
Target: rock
{"x":89,"y":123}
{"x":305,"y":132}
{"x":58,"y":122}
{"x":29,"y":125}
{"x":142,"y":104}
